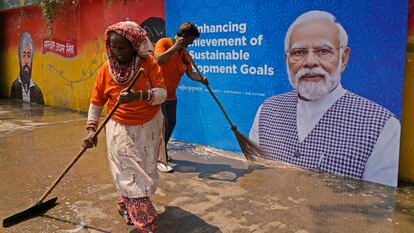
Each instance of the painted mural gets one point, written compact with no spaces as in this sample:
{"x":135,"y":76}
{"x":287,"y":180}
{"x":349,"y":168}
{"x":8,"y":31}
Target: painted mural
{"x":24,"y":88}
{"x":66,"y":62}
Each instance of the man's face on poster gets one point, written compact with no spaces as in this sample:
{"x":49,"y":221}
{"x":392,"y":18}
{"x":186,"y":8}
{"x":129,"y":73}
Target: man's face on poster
{"x":314,"y":59}
{"x":26,"y":62}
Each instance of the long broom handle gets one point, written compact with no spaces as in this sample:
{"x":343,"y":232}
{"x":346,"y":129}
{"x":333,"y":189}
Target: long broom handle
{"x":134,"y":80}
{"x":209,"y":89}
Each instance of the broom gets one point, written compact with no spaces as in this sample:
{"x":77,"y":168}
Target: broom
{"x":42,"y":207}
{"x":250,"y":149}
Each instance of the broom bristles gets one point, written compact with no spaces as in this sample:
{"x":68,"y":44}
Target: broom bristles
{"x":250,"y":149}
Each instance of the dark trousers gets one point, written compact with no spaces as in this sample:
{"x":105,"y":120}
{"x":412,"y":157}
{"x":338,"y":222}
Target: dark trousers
{"x":169,"y":110}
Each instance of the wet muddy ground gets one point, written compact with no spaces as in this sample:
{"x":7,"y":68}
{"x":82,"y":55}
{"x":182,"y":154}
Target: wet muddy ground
{"x":210,"y":191}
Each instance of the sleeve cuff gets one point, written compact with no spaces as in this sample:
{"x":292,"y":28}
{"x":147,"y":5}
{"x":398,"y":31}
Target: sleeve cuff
{"x":93,"y":116}
{"x":157,"y":96}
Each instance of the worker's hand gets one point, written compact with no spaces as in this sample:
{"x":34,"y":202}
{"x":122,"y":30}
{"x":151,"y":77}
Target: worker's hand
{"x":87,"y":141}
{"x":180,"y":43}
{"x":128,"y":96}
{"x":132,"y":95}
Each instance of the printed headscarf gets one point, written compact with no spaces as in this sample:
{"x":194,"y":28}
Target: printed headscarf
{"x":139,"y":41}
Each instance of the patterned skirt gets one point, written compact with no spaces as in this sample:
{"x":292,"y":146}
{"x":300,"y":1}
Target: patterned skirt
{"x":141,"y":213}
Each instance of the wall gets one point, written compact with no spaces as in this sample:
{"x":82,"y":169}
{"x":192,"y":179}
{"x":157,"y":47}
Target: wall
{"x":66,"y":78}
{"x":66,"y":82}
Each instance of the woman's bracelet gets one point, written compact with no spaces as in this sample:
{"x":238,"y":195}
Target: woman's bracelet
{"x":140,"y":95}
{"x":149,"y":95}
{"x":92,"y":124}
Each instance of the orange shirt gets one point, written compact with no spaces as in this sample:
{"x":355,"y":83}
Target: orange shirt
{"x":173,"y":68}
{"x":135,"y":112}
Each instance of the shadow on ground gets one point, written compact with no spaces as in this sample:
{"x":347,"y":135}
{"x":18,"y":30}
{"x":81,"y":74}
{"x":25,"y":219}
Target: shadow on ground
{"x":216,"y":171}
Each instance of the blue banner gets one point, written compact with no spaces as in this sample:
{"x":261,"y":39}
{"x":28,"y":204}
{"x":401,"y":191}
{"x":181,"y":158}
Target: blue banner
{"x":241,"y":52}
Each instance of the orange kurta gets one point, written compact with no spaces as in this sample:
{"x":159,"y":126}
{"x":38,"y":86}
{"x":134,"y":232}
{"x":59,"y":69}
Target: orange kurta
{"x":136,"y":112}
{"x":173,"y":68}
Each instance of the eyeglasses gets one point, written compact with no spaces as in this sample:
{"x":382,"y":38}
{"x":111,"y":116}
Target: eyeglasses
{"x":323,"y":53}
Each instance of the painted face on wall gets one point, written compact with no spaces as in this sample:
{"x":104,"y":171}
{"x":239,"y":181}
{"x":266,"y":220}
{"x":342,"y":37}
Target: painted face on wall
{"x":121,"y":48}
{"x":314,"y":59}
{"x":26,"y":62}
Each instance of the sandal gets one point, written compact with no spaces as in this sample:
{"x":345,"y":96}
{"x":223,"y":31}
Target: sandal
{"x":124,"y":213}
{"x":162,"y":167}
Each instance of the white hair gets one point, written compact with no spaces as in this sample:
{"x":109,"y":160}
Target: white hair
{"x":314,"y":16}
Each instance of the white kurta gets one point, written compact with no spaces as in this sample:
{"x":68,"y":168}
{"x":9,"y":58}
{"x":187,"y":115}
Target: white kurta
{"x":133,"y":151}
{"x":26,"y":92}
{"x":382,"y":165}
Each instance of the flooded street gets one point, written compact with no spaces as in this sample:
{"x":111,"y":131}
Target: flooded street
{"x":210,"y":191}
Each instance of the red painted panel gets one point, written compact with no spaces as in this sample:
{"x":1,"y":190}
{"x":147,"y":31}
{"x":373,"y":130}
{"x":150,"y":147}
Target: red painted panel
{"x":83,"y":22}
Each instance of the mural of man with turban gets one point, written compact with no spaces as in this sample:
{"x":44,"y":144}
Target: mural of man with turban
{"x":23,"y":88}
